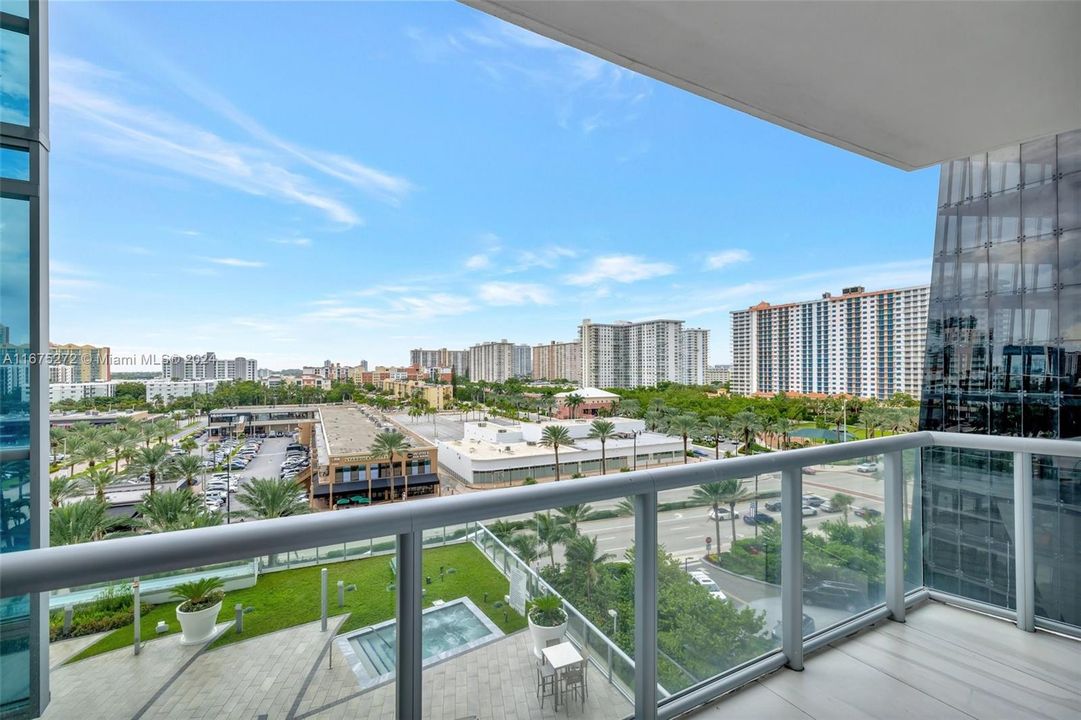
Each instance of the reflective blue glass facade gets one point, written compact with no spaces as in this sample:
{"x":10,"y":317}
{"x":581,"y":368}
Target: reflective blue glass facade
{"x":23,"y":334}
{"x":1004,"y":358}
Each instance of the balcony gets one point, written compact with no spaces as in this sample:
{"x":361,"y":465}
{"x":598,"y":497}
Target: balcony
{"x":433,"y":627}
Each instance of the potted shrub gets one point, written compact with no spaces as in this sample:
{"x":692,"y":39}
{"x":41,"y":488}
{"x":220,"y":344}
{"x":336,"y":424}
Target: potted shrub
{"x":198,"y":612}
{"x":547,"y":621}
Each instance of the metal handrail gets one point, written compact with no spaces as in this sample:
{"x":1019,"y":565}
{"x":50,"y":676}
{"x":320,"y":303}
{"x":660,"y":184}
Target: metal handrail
{"x":31,"y":571}
{"x":34,"y":571}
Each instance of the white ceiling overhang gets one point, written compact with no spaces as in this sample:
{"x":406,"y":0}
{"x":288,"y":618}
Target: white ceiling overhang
{"x":910,"y":84}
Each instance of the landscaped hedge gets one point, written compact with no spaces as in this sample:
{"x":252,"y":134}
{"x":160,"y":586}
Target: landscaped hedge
{"x":112,"y":609}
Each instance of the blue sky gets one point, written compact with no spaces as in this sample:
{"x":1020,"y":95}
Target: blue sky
{"x":297,"y":182}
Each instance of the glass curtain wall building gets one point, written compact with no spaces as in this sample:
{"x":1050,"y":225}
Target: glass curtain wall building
{"x":1004,"y":358}
{"x":23,"y":340}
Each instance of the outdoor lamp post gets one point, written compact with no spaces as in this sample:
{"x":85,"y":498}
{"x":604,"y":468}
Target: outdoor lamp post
{"x":614,"y":614}
{"x":228,"y":483}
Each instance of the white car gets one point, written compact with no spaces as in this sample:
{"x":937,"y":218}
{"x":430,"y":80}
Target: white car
{"x":700,"y":578}
{"x":720,"y":513}
{"x":807,"y":511}
{"x":867,"y":467}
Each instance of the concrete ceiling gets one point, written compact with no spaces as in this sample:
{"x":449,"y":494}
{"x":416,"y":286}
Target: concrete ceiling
{"x":908,"y":83}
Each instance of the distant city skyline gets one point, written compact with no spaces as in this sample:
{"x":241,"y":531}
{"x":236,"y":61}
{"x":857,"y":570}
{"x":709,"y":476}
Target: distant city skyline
{"x":195,"y":204}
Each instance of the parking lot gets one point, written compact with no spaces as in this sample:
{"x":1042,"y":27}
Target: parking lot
{"x":266,"y":463}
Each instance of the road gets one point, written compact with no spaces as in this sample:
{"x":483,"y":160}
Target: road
{"x":79,"y":467}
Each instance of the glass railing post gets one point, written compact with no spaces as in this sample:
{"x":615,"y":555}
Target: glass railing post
{"x":409,"y":652}
{"x":792,"y":566}
{"x":1024,"y":560}
{"x":895,"y":547}
{"x":645,"y":606}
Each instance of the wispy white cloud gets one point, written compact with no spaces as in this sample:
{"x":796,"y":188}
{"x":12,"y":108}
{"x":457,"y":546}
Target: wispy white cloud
{"x":393,"y":311}
{"x":510,"y":293}
{"x":235,"y":262}
{"x":296,"y":242}
{"x":478,"y":261}
{"x":546,"y":257}
{"x":620,"y":269}
{"x":724,"y":258}
{"x":262,"y":164}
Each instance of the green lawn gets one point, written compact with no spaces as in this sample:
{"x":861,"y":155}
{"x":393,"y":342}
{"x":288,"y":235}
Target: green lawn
{"x":291,"y":597}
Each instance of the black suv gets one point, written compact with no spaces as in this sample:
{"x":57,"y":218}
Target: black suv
{"x":831,"y":593}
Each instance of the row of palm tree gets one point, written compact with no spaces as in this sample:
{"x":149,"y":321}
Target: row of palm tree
{"x":84,"y":443}
{"x":546,"y":531}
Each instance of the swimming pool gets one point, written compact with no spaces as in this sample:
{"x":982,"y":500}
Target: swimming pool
{"x":449,"y":629}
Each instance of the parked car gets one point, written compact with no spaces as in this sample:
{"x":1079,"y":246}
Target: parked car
{"x":760,"y":518}
{"x":835,"y":594}
{"x":808,"y":511}
{"x":699,"y":577}
{"x":867,"y":513}
{"x":813,"y":500}
{"x":773,"y":505}
{"x":719,"y":513}
{"x":810,"y":471}
{"x":827,"y":507}
{"x":867,"y":467}
{"x":808,"y":627}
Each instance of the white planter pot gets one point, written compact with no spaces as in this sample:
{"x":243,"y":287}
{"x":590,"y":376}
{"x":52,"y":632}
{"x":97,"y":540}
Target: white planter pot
{"x":541,"y":634}
{"x":197,"y":627}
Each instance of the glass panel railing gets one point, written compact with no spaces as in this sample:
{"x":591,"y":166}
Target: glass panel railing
{"x":843,"y":541}
{"x":912,"y":533}
{"x":1056,"y":521}
{"x":264,"y":631}
{"x":718,"y":578}
{"x":968,"y":527}
{"x":482,"y":655}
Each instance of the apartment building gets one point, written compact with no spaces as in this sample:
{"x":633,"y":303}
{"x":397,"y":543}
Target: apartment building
{"x":695,"y":356}
{"x":87,"y":363}
{"x":557,"y":361}
{"x":457,"y":360}
{"x":169,"y":390}
{"x":637,"y":354}
{"x":492,"y":361}
{"x":438,"y":397}
{"x":58,"y":392}
{"x":868,"y":344}
{"x":208,"y":367}
{"x":718,"y":374}
{"x":522,"y":361}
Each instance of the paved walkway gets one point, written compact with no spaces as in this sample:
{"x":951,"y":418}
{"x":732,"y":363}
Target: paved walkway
{"x":287,"y":675}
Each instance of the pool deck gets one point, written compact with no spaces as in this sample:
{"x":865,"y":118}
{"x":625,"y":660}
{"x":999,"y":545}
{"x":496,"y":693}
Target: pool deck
{"x":287,"y":674}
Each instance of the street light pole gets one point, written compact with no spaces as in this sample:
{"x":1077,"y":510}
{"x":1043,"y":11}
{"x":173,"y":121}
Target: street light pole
{"x":228,"y":483}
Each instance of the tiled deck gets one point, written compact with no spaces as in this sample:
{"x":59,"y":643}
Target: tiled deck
{"x":943,"y":662}
{"x":287,"y":675}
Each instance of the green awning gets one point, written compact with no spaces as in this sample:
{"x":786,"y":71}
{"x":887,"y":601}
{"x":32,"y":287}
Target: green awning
{"x":342,"y":501}
{"x":360,"y":500}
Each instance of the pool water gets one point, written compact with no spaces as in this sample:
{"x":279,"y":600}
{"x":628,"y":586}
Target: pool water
{"x":448,"y":629}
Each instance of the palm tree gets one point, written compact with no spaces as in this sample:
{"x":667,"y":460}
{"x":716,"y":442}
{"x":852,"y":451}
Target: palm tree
{"x":550,"y":532}
{"x":654,"y":419}
{"x":188,"y":444}
{"x":785,"y":425}
{"x":571,"y":515}
{"x":116,"y":439}
{"x":555,"y":436}
{"x":98,"y":479}
{"x":526,"y":547}
{"x":89,"y":452}
{"x":717,"y":428}
{"x":170,"y":510}
{"x":584,"y":561}
{"x":842,"y":502}
{"x":602,"y":430}
{"x":153,"y":461}
{"x":267,"y":498}
{"x":163,"y":428}
{"x":873,"y":419}
{"x":684,"y":426}
{"x":61,"y":489}
{"x":79,"y":522}
{"x":573,"y":401}
{"x":629,"y":407}
{"x":388,"y":444}
{"x":745,"y":425}
{"x":726,"y":492}
{"x":186,"y":467}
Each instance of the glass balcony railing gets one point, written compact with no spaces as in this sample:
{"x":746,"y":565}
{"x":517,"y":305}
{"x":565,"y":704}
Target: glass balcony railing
{"x":644,"y":593}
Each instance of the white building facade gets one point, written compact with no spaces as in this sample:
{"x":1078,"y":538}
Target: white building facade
{"x":169,"y":390}
{"x":208,"y":367}
{"x":868,"y":344}
{"x":59,"y":392}
{"x":641,"y":354}
{"x":492,"y":361}
{"x":557,"y":361}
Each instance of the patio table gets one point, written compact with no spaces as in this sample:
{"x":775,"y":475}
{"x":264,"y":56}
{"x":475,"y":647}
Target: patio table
{"x":561,"y":656}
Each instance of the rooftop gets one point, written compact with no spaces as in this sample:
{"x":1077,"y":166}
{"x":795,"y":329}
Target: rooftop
{"x":348,"y":429}
{"x":589,"y":393}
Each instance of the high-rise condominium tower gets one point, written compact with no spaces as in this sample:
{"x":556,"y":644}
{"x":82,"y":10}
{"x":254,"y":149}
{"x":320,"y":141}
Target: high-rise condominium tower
{"x":626,"y":354}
